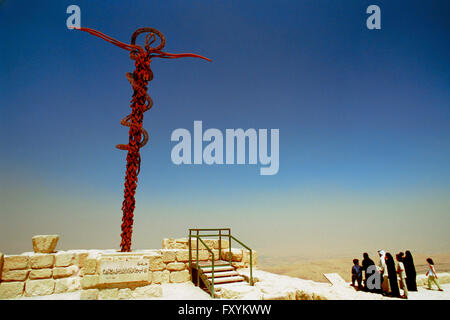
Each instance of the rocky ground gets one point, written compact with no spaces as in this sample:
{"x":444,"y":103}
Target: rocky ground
{"x":270,"y":286}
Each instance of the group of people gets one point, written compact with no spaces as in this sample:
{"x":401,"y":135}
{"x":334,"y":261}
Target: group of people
{"x":387,"y":278}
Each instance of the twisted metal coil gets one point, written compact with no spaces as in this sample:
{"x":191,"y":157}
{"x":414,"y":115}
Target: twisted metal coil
{"x":140,"y":103}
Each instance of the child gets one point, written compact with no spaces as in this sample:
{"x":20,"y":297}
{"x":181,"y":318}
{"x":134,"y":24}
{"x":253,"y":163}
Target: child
{"x":357,"y":274}
{"x":402,"y":275}
{"x":432,"y":276}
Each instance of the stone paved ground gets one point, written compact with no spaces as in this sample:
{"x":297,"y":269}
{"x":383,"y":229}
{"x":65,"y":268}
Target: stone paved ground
{"x":171,"y":291}
{"x":273,"y":284}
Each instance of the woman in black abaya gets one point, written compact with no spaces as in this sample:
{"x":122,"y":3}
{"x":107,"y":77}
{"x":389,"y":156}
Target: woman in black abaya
{"x":392,"y":271}
{"x":368,"y":266}
{"x":410,"y":271}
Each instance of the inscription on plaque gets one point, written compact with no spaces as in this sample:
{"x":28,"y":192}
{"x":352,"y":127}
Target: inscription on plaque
{"x":121,"y":269}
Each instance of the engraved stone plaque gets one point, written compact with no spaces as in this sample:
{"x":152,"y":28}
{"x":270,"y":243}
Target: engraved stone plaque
{"x":118,"y":269}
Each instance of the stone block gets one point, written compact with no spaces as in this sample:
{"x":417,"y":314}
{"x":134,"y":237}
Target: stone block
{"x":67,"y":284}
{"x":216,"y":255}
{"x":90,"y":266}
{"x":272,"y":291}
{"x":42,"y":260}
{"x":151,"y":291}
{"x":80,"y":258}
{"x":42,"y":287}
{"x":64,"y":272}
{"x":175,"y":266}
{"x":15,"y":275}
{"x":10,"y":290}
{"x":241,"y":292}
{"x":89,"y":294}
{"x":89,"y":281}
{"x":224,"y":244}
{"x":236,"y":254}
{"x":203,"y":255}
{"x":125,"y":294}
{"x":156,"y":262}
{"x":16,"y":262}
{"x":171,"y":243}
{"x":238,"y":265}
{"x":64,"y":259}
{"x":201,"y":246}
{"x":168,"y":243}
{"x":150,"y":277}
{"x":121,"y":268}
{"x":45,"y":243}
{"x":108,"y":294}
{"x":183,"y":242}
{"x":182,"y":255}
{"x":209,"y":243}
{"x":180,"y":276}
{"x":168,"y":255}
{"x":40,"y":274}
{"x":161,"y":276}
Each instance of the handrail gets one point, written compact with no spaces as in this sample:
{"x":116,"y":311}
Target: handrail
{"x":210,"y":229}
{"x":211,"y":235}
{"x":219,"y":230}
{"x":251,"y":257}
{"x":212,"y":255}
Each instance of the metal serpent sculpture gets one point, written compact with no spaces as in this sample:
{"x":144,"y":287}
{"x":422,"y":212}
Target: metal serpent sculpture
{"x":140,"y":102}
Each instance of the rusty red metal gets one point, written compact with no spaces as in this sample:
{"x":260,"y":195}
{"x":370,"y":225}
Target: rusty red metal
{"x":140,"y":103}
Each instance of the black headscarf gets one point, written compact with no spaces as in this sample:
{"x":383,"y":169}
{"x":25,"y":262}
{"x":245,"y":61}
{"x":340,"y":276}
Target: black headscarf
{"x":395,"y":291}
{"x":366,"y":263}
{"x":410,"y":271}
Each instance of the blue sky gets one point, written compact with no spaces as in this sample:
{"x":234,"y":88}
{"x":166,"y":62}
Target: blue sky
{"x":363,"y":118}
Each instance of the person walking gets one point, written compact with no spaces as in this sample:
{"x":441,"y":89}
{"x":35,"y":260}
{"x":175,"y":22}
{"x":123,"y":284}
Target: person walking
{"x":432,"y":276}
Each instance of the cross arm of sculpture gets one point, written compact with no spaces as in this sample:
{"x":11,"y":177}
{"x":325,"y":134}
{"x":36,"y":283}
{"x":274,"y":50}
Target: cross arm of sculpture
{"x":140,"y":103}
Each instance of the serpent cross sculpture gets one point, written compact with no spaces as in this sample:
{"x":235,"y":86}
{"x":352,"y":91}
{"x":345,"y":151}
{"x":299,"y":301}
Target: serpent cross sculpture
{"x":140,"y":103}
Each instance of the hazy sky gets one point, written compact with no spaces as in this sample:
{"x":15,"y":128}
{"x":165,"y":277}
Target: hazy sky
{"x":363,"y":117}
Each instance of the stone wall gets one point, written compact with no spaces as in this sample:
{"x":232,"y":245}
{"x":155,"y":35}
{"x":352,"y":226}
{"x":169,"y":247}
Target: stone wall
{"x":36,"y":274}
{"x":39,"y":274}
{"x":240,"y":257}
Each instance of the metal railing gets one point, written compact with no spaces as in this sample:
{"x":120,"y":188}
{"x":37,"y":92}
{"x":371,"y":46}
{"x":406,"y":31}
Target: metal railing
{"x":198,"y":236}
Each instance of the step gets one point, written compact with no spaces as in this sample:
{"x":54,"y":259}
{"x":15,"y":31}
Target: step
{"x":208,"y":263}
{"x":222,"y":274}
{"x":230,"y":284}
{"x":218,"y":269}
{"x":228,"y":279}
